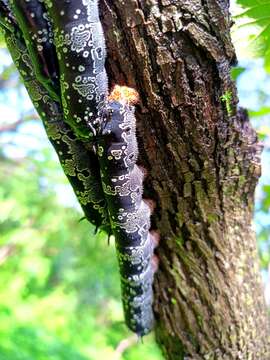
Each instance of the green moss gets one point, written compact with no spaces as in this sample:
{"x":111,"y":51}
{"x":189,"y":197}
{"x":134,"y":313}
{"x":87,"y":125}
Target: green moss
{"x":241,"y":180}
{"x":179,"y":241}
{"x":212,"y":218}
{"x":200,"y":320}
{"x":173,"y":301}
{"x":227,"y":99}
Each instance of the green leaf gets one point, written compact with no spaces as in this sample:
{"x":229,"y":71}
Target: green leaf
{"x":265,"y":110}
{"x":266,"y":200}
{"x":237,"y":71}
{"x":253,"y":28}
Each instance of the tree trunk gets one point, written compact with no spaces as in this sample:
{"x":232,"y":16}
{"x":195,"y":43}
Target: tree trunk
{"x":202,"y":159}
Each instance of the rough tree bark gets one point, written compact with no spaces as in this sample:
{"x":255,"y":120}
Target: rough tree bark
{"x":202,"y":158}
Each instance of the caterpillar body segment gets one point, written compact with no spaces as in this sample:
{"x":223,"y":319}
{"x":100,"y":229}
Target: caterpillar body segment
{"x":35,"y":25}
{"x":81,"y":53}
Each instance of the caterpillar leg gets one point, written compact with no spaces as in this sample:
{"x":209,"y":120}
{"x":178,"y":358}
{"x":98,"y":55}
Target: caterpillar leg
{"x":155,"y":238}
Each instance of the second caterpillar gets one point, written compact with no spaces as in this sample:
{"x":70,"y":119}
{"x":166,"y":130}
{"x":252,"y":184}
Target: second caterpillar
{"x":129,"y":214}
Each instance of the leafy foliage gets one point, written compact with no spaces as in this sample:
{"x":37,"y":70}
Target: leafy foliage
{"x":59,"y":282}
{"x":237,"y":71}
{"x":251,"y":35}
{"x":253,"y":27}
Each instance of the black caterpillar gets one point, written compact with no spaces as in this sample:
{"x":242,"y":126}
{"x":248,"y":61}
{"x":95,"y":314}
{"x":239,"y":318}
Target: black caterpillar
{"x":78,"y":160}
{"x":129,"y":214}
{"x":93,"y":134}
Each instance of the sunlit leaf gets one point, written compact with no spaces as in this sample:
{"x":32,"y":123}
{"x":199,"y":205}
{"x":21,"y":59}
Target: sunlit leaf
{"x":253,"y":28}
{"x":237,"y":71}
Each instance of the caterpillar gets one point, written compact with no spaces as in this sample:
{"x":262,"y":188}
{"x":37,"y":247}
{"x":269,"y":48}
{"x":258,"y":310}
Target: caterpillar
{"x":78,"y":161}
{"x":87,"y":118}
{"x":129,"y":214}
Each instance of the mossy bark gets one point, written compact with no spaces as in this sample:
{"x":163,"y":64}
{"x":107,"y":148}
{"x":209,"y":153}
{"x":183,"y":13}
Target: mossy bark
{"x":202,"y":159}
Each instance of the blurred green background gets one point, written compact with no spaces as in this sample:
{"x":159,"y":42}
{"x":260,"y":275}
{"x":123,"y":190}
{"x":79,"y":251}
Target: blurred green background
{"x":59,"y":289}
